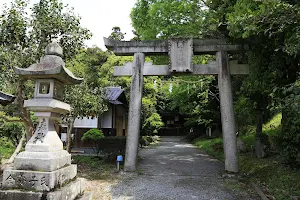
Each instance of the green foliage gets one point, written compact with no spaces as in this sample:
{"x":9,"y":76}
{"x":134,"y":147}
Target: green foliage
{"x":196,"y":97}
{"x":93,"y":135}
{"x":288,"y":140}
{"x":280,"y":181}
{"x":93,"y":168}
{"x":6,"y":148}
{"x":153,"y":122}
{"x":212,"y":146}
{"x":12,"y":131}
{"x":116,"y":34}
{"x":160,"y":19}
{"x":24,"y":36}
{"x":147,"y":140}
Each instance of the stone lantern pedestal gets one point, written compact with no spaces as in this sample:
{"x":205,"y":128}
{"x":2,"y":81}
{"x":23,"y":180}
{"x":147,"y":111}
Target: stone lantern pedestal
{"x":44,"y":169}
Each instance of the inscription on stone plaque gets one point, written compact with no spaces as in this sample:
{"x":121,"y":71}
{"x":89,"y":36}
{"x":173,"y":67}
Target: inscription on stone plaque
{"x":33,"y":180}
{"x":21,"y":180}
{"x":43,"y":181}
{"x":181,"y":55}
{"x":41,"y":132}
{"x":10,"y":180}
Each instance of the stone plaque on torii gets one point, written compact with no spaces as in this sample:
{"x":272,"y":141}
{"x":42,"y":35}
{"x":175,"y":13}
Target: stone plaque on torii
{"x":181,"y":52}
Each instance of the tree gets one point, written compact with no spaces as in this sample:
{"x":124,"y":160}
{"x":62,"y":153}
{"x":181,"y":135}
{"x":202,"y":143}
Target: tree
{"x":153,"y":19}
{"x":117,"y":34}
{"x":90,"y":103}
{"x":23,"y":38}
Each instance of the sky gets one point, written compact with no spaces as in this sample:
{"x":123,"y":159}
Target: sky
{"x":99,"y":16}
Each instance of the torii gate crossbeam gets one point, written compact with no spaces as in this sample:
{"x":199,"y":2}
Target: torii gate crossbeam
{"x":181,"y":51}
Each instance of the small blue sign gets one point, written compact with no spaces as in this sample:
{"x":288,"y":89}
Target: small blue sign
{"x":120,"y":158}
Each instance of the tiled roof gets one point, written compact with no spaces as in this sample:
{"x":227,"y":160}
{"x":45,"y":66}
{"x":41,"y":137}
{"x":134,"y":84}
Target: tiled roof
{"x":112,"y":94}
{"x":6,"y":98}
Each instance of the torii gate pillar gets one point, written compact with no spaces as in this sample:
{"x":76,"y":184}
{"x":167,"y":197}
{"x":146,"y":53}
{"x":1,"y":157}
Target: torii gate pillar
{"x":134,"y":115}
{"x":227,"y":114}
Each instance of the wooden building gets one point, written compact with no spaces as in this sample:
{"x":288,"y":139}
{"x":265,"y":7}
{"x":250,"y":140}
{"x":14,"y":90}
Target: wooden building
{"x":112,"y":123}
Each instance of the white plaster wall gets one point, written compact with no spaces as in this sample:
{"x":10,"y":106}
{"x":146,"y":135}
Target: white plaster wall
{"x":106,"y":119}
{"x":86,"y":123}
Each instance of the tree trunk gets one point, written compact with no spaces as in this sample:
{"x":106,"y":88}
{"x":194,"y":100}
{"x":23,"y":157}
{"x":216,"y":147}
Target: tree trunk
{"x":259,"y":151}
{"x":17,"y":150}
{"x":69,"y":133}
{"x":24,"y":114}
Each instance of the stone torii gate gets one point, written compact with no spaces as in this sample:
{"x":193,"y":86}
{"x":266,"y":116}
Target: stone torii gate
{"x":180,"y":51}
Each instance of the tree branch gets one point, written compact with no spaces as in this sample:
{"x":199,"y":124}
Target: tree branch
{"x":10,"y":120}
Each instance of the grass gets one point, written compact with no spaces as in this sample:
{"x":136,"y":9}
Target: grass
{"x":273,"y":178}
{"x":6,"y":148}
{"x":212,"y":146}
{"x":93,"y":167}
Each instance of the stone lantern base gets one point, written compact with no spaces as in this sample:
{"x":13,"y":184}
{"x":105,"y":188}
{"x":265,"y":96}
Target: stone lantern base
{"x":69,"y":191}
{"x":60,"y":184}
{"x":44,"y":170}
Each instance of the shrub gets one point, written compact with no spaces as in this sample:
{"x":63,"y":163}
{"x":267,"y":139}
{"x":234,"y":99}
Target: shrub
{"x":94,"y":136}
{"x":288,"y":139}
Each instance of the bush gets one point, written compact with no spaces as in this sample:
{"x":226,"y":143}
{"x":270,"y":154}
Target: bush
{"x":288,"y":139}
{"x":6,"y":148}
{"x":146,"y":140}
{"x":94,"y":136}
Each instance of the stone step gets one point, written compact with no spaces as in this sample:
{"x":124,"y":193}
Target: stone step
{"x":67,"y":192}
{"x":37,"y":180}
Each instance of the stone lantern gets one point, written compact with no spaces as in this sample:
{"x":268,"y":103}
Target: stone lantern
{"x":44,"y":166}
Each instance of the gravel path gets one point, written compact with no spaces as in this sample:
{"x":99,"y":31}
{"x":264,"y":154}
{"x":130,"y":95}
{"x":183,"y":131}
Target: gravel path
{"x":175,"y":169}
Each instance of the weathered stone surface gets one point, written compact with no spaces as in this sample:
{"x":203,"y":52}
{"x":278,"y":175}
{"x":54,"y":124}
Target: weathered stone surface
{"x":17,"y":194}
{"x":227,"y":114}
{"x":240,"y":145}
{"x":68,"y":192}
{"x":181,"y":55}
{"x":154,"y":47}
{"x":45,"y":138}
{"x":47,"y":105}
{"x":42,"y":161}
{"x":134,"y":115}
{"x":37,"y":181}
{"x":210,"y":68}
{"x":86,"y":196}
{"x":50,"y":66}
{"x":54,"y":49}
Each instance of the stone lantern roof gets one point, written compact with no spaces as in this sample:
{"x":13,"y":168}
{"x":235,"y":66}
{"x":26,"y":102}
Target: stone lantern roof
{"x":51,"y":66}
